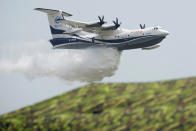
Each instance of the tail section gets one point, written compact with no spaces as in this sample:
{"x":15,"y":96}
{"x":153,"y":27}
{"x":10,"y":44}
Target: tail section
{"x":57,"y":28}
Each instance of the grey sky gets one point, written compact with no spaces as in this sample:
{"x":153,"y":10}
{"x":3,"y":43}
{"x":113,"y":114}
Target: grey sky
{"x":174,"y":59}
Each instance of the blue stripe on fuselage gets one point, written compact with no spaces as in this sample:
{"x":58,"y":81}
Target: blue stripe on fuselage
{"x":121,"y":40}
{"x":58,"y":41}
{"x":56,"y":31}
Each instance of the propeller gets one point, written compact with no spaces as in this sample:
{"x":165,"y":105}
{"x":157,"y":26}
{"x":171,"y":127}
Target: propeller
{"x":116,"y":23}
{"x":142,"y":26}
{"x":101,"y":20}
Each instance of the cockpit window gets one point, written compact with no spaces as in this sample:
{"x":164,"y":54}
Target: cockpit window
{"x":156,"y":28}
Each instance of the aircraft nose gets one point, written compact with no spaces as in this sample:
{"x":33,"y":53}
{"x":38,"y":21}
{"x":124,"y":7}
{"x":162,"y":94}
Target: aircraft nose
{"x":164,"y":32}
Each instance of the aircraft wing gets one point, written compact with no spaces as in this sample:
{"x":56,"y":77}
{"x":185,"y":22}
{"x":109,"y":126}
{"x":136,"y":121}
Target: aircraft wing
{"x":86,"y":26}
{"x":94,"y":27}
{"x":108,"y":28}
{"x":75,"y":24}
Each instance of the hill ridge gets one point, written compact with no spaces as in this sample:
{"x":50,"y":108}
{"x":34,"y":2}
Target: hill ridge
{"x":163,"y":105}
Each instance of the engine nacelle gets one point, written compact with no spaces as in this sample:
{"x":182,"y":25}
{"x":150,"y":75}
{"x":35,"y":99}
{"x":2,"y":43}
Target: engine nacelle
{"x":96,"y":24}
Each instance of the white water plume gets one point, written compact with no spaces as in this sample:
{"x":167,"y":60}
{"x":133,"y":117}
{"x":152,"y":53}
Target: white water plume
{"x":38,"y":59}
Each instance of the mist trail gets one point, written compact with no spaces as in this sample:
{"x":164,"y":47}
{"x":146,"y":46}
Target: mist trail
{"x":38,"y":59}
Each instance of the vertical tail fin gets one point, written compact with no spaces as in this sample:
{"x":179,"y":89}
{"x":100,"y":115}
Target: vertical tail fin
{"x":56,"y":27}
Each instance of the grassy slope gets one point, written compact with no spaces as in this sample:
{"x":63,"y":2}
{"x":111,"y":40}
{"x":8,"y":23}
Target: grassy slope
{"x":122,"y":106}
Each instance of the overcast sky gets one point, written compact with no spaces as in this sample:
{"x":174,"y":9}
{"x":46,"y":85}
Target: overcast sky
{"x":174,"y":59}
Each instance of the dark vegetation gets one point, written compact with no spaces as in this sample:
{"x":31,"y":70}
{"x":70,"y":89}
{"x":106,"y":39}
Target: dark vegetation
{"x":166,"y":105}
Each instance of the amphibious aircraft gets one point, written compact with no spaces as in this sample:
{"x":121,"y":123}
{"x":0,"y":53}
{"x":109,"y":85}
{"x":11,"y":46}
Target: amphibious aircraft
{"x":69,"y":34}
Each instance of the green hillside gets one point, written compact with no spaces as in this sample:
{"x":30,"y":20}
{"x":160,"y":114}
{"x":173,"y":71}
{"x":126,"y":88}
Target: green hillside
{"x":167,"y":105}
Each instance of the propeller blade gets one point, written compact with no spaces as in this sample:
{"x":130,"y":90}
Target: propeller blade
{"x":142,"y":26}
{"x":116,"y":23}
{"x":102,"y":17}
{"x":99,"y":18}
{"x":116,"y":20}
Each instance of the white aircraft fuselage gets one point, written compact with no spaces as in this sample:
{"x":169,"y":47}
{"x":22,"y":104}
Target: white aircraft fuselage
{"x":69,"y":34}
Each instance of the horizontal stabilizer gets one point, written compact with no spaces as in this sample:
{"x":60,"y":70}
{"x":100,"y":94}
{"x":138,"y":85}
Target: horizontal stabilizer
{"x":50,"y":11}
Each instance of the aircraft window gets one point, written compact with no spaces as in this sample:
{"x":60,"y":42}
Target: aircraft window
{"x":155,"y":28}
